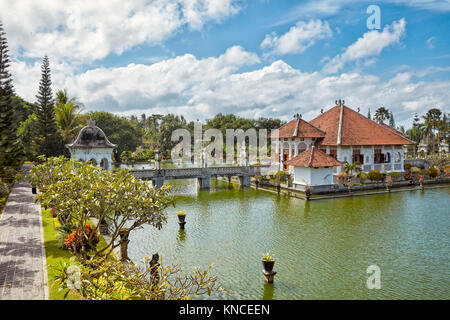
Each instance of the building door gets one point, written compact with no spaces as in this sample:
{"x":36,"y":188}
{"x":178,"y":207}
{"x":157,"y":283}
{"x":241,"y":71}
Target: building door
{"x":285,"y":158}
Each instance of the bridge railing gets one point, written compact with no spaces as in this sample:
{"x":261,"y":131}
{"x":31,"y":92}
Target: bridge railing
{"x":180,"y":173}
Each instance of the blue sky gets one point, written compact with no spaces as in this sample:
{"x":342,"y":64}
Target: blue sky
{"x":258,"y":18}
{"x":251,"y":58}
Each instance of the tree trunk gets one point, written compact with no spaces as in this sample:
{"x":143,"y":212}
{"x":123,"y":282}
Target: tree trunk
{"x":124,"y":233}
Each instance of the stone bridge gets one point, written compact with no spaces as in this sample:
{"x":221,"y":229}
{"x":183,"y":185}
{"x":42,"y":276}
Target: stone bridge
{"x":203,"y":175}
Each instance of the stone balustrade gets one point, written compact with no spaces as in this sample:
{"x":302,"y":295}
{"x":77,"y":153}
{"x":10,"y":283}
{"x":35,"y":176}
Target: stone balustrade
{"x":202,"y":174}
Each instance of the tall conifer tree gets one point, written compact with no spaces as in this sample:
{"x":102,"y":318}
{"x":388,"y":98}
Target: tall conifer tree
{"x":10,"y":147}
{"x":49,"y":141}
{"x":391,"y":120}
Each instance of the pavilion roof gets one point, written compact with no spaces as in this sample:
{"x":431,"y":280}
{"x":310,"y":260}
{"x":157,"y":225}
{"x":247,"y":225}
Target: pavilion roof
{"x":298,"y":128}
{"x":346,"y":127}
{"x":314,"y":158}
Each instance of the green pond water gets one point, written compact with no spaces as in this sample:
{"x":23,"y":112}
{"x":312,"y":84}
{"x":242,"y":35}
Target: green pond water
{"x":323,"y":248}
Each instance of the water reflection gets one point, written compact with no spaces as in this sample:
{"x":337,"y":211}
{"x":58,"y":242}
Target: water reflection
{"x":306,"y":209}
{"x":268,"y":291}
{"x":181,"y":237}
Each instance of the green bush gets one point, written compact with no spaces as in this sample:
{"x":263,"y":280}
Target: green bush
{"x":4,"y":189}
{"x":433,"y":172}
{"x":423,"y":171}
{"x":395,"y":174}
{"x":407,"y":166}
{"x":374,"y":175}
{"x":363,"y":175}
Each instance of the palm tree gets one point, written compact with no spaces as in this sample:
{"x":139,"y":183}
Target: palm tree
{"x":382,"y":114}
{"x":67,"y":114}
{"x":432,"y":120}
{"x":349,"y":168}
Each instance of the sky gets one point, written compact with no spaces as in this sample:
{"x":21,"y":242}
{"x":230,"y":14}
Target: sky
{"x":260,"y":58}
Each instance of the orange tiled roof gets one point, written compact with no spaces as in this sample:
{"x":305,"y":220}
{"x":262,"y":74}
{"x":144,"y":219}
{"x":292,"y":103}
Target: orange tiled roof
{"x":346,"y":127}
{"x":384,"y":125}
{"x":299,"y":128}
{"x":314,"y":158}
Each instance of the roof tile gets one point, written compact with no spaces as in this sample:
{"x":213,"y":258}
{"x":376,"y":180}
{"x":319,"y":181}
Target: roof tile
{"x":357,"y":130}
{"x":314,"y":158}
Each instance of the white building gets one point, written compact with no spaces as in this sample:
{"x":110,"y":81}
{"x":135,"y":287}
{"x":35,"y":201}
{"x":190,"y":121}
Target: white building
{"x":347,"y":136}
{"x":92,"y":144}
{"x":313,"y":167}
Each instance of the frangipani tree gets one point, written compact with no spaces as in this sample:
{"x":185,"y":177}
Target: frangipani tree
{"x":78,"y":190}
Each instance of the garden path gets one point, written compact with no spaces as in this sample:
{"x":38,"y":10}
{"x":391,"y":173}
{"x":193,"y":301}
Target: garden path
{"x":23,"y":272}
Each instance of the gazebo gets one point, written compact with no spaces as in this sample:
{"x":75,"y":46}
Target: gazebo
{"x":443,"y":147}
{"x":313,"y":167}
{"x":422,"y":148}
{"x":92,"y":144}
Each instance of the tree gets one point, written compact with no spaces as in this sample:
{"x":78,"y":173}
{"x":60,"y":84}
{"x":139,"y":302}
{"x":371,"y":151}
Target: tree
{"x":67,"y":114}
{"x":349,"y":168}
{"x":10,"y":147}
{"x":113,"y":280}
{"x":78,"y":190}
{"x":168,"y":124}
{"x":381,"y":114}
{"x":23,"y":109}
{"x":119,"y":130}
{"x":49,"y":140}
{"x":391,"y":120}
{"x":444,"y":128}
{"x":27,"y":133}
{"x":432,"y":120}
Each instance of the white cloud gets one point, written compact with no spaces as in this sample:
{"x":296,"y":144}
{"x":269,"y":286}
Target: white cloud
{"x":298,"y":38}
{"x":84,"y":31}
{"x":369,"y":45}
{"x":201,"y":88}
{"x":430,"y":43}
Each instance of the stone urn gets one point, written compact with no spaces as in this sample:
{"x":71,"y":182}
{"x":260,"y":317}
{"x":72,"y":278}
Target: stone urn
{"x":181,"y":218}
{"x":268,"y":261}
{"x":268,"y":265}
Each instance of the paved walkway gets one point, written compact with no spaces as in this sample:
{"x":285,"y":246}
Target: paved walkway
{"x":23,"y":272}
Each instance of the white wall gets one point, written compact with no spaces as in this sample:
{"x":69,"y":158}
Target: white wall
{"x":98,"y":154}
{"x":321,"y":176}
{"x":313,"y":176}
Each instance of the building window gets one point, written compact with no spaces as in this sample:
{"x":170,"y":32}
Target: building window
{"x":333,"y":152}
{"x":398,"y":158}
{"x":357,"y":156}
{"x":378,"y":157}
{"x":388,"y":158}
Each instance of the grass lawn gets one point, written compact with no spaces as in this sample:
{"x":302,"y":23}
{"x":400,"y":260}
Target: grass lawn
{"x":2,"y":204}
{"x":54,"y":255}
